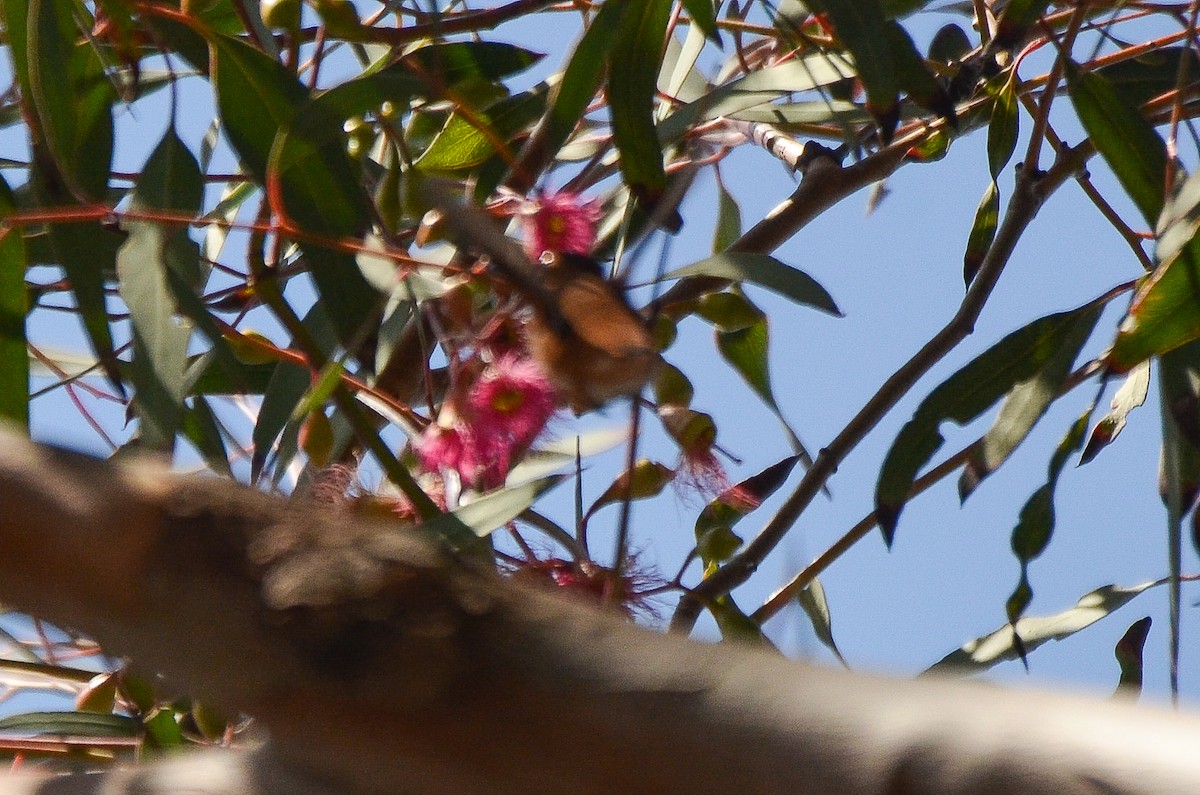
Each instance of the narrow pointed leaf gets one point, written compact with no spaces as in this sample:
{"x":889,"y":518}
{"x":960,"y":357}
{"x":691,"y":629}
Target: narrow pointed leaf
{"x":635,"y":60}
{"x":729,"y":220}
{"x":736,"y":626}
{"x":995,"y":647}
{"x":715,"y":540}
{"x":201,"y":427}
{"x":1003,"y":128}
{"x":1035,"y":527}
{"x":983,"y":232}
{"x":1128,"y":652}
{"x":72,"y":724}
{"x":287,"y":387}
{"x":704,"y":16}
{"x":258,"y":99}
{"x":814,"y":604}
{"x":1025,"y":404}
{"x":963,"y":397}
{"x":1165,"y":312}
{"x":463,"y":527}
{"x":646,"y":479}
{"x":861,"y":26}
{"x":14,"y":352}
{"x":1127,"y":142}
{"x":765,"y":271}
{"x":153,"y":257}
{"x":913,"y":74}
{"x":1139,"y":80}
{"x":582,"y":78}
{"x":72,"y":97}
{"x":1128,"y":397}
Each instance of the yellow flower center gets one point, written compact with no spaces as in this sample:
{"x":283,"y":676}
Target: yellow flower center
{"x":507,"y":401}
{"x":556,"y":225}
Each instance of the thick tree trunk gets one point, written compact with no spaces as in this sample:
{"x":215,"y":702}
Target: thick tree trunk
{"x":379,"y":664}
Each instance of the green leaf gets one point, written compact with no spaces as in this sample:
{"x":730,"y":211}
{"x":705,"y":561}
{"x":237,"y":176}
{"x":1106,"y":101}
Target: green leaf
{"x":718,"y":543}
{"x":809,"y":117}
{"x":1165,"y":312}
{"x":984,"y":652}
{"x":162,"y":728}
{"x":72,"y":96}
{"x":736,"y":626}
{"x":552,"y":456}
{"x":66,"y":89}
{"x":1139,"y":80}
{"x":582,"y":77}
{"x":715,"y":540}
{"x":983,"y":232}
{"x":1123,"y":137}
{"x":862,"y":28}
{"x":646,"y":479}
{"x":1003,"y":128}
{"x":964,"y":396}
{"x":201,"y":427}
{"x":704,"y":16}
{"x":914,"y":76}
{"x":451,"y":63}
{"x":464,"y":527}
{"x":14,"y":350}
{"x":1179,"y":473}
{"x":258,"y":99}
{"x":461,"y":145}
{"x":160,"y":340}
{"x":671,"y":386}
{"x":253,"y":380}
{"x":812,"y":600}
{"x":746,"y":349}
{"x":729,"y":220}
{"x":72,"y":724}
{"x":635,"y":60}
{"x":756,"y":89}
{"x":1035,"y":527}
{"x":728,"y":311}
{"x":1018,"y":17}
{"x":1128,"y":652}
{"x":288,"y":385}
{"x":1131,"y":394}
{"x":764,"y":271}
{"x":153,"y":256}
{"x":1025,"y":404}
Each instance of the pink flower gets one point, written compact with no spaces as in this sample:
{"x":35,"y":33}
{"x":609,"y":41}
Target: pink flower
{"x":513,"y":399}
{"x":440,"y":448}
{"x":560,"y":222}
{"x":700,"y":472}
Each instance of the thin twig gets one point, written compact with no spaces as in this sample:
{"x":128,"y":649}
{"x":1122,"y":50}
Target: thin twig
{"x":1031,"y":191}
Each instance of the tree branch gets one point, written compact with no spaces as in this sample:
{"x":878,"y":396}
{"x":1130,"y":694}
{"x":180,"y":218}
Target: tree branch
{"x":379,"y":664}
{"x":1031,"y":190}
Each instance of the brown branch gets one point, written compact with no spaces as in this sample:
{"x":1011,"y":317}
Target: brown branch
{"x":378,"y":664}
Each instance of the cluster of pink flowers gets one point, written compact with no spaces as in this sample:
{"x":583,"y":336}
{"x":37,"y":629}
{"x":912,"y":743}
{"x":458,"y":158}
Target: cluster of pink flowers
{"x":498,"y":417}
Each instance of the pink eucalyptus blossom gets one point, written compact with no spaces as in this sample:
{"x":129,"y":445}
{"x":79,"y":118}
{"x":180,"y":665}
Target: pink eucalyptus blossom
{"x":700,"y":472}
{"x":441,"y":448}
{"x":481,"y":460}
{"x":560,"y":222}
{"x":513,"y":399}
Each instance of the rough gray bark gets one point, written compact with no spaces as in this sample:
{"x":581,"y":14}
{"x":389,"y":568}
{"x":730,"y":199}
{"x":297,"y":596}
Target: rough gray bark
{"x":379,"y":664}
